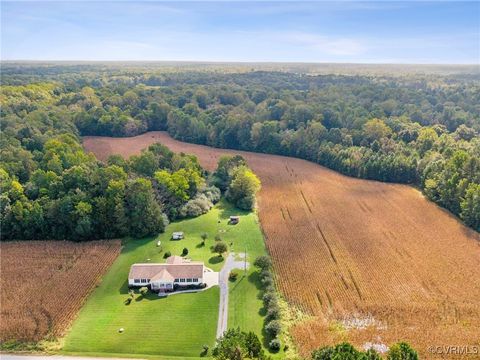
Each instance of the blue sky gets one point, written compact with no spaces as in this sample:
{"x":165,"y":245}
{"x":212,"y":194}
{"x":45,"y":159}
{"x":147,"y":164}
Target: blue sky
{"x":365,"y":32}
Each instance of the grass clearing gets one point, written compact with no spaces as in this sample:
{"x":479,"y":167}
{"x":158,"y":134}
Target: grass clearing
{"x":178,"y":325}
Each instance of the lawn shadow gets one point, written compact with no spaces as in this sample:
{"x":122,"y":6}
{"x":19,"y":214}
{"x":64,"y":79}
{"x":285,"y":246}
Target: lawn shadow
{"x":254,"y":278}
{"x":132,"y":244}
{"x":236,"y":282}
{"x":216,"y":259}
{"x":148,"y":297}
{"x":226,"y":210}
{"x":124,"y":288}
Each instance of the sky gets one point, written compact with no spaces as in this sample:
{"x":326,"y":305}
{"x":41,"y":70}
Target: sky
{"x":349,"y":32}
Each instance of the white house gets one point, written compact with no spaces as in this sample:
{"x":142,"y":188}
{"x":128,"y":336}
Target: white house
{"x":164,"y":277}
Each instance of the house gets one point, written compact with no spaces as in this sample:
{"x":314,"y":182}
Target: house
{"x":175,"y":273}
{"x":178,"y":235}
{"x":234,"y":220}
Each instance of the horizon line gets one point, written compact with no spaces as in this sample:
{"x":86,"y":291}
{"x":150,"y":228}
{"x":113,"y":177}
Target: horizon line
{"x":235,"y":62}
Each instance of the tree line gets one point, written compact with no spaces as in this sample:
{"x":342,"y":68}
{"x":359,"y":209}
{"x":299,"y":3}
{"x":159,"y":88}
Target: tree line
{"x":51,"y":189}
{"x":421,"y":130}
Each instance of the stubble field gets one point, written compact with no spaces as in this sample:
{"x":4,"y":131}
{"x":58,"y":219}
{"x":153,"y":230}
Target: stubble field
{"x":44,"y":284}
{"x":368,"y":262}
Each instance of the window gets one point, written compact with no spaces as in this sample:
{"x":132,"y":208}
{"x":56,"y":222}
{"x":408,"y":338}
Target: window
{"x":194,"y":280}
{"x":182,"y":280}
{"x":136,"y":281}
{"x":177,"y":280}
{"x":143,"y":281}
{"x":189,"y":280}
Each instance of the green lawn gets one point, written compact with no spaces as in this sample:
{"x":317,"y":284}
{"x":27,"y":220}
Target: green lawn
{"x":177,"y":325}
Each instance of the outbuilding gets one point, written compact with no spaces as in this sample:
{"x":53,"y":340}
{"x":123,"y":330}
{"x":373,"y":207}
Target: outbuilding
{"x":178,"y":235}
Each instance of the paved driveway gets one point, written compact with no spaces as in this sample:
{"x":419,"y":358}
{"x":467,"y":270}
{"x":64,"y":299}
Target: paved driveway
{"x":230,"y":264}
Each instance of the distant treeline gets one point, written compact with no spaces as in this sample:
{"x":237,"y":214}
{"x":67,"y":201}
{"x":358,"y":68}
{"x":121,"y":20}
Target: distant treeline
{"x":422,"y":129}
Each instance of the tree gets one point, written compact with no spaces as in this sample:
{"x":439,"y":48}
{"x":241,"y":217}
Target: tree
{"x":470,"y":206}
{"x":83,"y":227}
{"x":220,"y":248}
{"x":273,"y":328}
{"x":225,"y":168}
{"x":427,"y":138}
{"x":376,"y":129}
{"x":263,"y":262}
{"x":402,"y":351}
{"x":117,"y":222}
{"x":144,"y":164}
{"x":143,"y":211}
{"x":237,"y":345}
{"x":344,"y":351}
{"x":184,"y":252}
{"x":274,"y":345}
{"x":253,"y":346}
{"x":243,"y":188}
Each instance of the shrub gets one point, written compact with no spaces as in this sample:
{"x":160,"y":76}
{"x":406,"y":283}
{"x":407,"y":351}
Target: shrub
{"x":197,"y":206}
{"x":232,"y":276}
{"x":212,"y":193}
{"x":372,"y":354}
{"x":341,"y":351}
{"x":263,"y":262}
{"x":205,"y":349}
{"x":143,"y":290}
{"x":265,"y":274}
{"x":165,"y":220}
{"x":220,"y":248}
{"x":218,"y":237}
{"x":268,"y":297}
{"x":273,"y":328}
{"x":167,"y":254}
{"x":185,"y":252}
{"x":402,"y":351}
{"x":273,"y":312}
{"x":267,"y":281}
{"x":204,"y":236}
{"x":128,"y":301}
{"x":274,"y":345}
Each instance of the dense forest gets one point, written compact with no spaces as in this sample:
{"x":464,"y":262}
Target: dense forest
{"x":417,"y":129}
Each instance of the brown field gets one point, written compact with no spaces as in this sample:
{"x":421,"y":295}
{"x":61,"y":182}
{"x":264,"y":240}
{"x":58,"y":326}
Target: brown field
{"x":369,"y":261}
{"x":44,"y":284}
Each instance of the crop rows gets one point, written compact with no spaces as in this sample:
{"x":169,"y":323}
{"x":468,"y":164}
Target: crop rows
{"x":44,"y":284}
{"x":352,"y":249}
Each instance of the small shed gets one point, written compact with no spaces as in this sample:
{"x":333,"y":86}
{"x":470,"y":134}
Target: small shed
{"x":234,"y":219}
{"x":178,"y":235}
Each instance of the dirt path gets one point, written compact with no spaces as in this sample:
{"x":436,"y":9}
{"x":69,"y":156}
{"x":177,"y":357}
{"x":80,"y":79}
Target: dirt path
{"x":230,"y":264}
{"x":366,"y":248}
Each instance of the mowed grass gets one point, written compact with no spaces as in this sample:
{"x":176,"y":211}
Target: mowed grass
{"x":178,"y":325}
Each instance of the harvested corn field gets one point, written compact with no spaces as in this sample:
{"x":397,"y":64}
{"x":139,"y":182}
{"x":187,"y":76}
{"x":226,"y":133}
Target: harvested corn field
{"x":370,"y":262}
{"x":44,"y":284}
